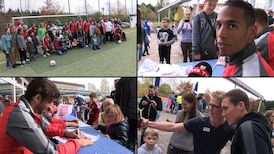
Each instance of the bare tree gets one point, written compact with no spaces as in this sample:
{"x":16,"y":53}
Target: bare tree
{"x":104,"y":86}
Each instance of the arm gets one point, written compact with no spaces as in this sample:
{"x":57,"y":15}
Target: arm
{"x":3,"y":40}
{"x":163,"y":126}
{"x":196,"y":34}
{"x":180,"y":27}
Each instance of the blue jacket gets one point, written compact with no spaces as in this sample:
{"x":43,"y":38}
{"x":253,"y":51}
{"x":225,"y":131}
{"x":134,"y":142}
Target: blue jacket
{"x":6,"y":42}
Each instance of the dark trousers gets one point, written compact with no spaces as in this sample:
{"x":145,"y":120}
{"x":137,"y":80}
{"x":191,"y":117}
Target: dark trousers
{"x":8,"y":60}
{"x":109,"y":36}
{"x":164,"y":54}
{"x":187,"y":49}
{"x":172,"y":150}
{"x":23,"y":55}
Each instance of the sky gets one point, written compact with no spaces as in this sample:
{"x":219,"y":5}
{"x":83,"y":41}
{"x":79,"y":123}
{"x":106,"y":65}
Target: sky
{"x":85,"y":81}
{"x":261,"y":85}
{"x":76,"y":6}
{"x":258,"y":3}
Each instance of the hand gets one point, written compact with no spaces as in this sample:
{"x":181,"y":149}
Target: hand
{"x":138,"y":46}
{"x":144,"y":103}
{"x":71,"y":124}
{"x":72,"y":134}
{"x":107,"y":135}
{"x":153,"y":103}
{"x":160,"y":43}
{"x":144,"y":122}
{"x":197,"y":57}
{"x":84,"y":142}
{"x":75,"y":120}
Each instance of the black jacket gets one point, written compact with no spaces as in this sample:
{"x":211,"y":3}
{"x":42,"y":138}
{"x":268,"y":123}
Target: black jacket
{"x":151,"y":115}
{"x":252,"y":135}
{"x":117,"y":132}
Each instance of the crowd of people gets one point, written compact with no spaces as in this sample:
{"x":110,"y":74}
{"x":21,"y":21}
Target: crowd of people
{"x":247,"y":45}
{"x":20,"y":41}
{"x":30,"y":123}
{"x":228,"y":119}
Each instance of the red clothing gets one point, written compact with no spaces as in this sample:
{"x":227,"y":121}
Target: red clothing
{"x":94,"y":113}
{"x":34,"y":30}
{"x":86,"y":26}
{"x":73,"y":27}
{"x":79,"y":25}
{"x":17,"y":137}
{"x":57,"y":44}
{"x":46,"y":42}
{"x":25,"y":34}
{"x":247,"y":62}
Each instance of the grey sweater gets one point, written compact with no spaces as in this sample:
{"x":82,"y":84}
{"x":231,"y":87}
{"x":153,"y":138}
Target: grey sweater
{"x":143,"y":150}
{"x":182,"y":139}
{"x":21,"y":42}
{"x":202,"y":35}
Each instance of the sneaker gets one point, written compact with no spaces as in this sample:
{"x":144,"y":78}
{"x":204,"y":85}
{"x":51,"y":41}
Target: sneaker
{"x":44,"y":55}
{"x":97,"y":47}
{"x":47,"y":54}
{"x":27,"y":60}
{"x":23,"y":62}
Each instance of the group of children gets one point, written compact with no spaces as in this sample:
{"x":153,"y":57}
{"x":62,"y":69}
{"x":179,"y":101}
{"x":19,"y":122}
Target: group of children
{"x":58,"y":38}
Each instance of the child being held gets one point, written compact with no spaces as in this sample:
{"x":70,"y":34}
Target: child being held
{"x":116,"y":126}
{"x":150,"y":146}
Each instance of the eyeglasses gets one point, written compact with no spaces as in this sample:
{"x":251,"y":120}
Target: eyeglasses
{"x":214,"y":106}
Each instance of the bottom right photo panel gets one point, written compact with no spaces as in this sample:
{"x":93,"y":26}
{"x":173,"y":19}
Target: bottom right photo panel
{"x":205,"y":115}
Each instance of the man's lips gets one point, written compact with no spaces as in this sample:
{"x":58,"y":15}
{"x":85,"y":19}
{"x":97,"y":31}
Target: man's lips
{"x":222,"y":45}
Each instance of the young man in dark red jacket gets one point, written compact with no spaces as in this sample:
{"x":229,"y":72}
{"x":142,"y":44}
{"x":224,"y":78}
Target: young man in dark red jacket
{"x":235,"y":32}
{"x":19,"y":131}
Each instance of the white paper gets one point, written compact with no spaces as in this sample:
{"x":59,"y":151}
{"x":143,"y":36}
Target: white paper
{"x":93,"y":138}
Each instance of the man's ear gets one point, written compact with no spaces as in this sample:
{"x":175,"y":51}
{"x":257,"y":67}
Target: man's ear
{"x":37,"y":98}
{"x":242,"y":106}
{"x":252,"y":31}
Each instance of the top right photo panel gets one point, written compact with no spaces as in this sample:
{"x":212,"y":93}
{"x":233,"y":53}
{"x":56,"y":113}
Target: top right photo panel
{"x":204,"y":38}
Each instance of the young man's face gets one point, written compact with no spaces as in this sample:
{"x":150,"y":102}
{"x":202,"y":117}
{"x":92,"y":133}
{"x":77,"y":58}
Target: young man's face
{"x":231,"y":112}
{"x":215,"y":108}
{"x":151,"y":92}
{"x":187,"y":106}
{"x":232,"y":31}
{"x":165,"y":24}
{"x":150,"y":140}
{"x":210,"y":6}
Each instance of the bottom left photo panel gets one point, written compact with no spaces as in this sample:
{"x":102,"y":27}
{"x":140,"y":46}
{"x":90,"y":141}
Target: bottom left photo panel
{"x":68,"y":115}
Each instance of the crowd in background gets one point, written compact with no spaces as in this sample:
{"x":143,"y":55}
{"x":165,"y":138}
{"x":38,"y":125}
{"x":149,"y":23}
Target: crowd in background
{"x":19,"y":42}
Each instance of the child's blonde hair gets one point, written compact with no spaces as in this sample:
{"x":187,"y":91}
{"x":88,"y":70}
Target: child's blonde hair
{"x":152,"y":132}
{"x":107,"y":102}
{"x":115,"y":110}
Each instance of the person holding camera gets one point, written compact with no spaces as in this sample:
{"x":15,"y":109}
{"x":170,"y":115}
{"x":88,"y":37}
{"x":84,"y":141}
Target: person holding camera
{"x":185,"y":26}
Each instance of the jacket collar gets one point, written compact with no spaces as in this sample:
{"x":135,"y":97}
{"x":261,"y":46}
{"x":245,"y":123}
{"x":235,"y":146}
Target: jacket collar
{"x":267,"y":29}
{"x":239,"y":56}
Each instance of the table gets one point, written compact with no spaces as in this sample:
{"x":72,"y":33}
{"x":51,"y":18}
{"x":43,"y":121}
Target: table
{"x":103,"y":145}
{"x":150,"y":68}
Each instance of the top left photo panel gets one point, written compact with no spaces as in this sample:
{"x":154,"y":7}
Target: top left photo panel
{"x":68,"y":38}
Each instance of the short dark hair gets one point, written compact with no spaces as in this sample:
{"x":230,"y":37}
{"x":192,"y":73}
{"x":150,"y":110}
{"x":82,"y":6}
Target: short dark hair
{"x":166,"y":19}
{"x":46,"y":88}
{"x":237,"y":95}
{"x":93,"y":95}
{"x":261,"y":17}
{"x":151,"y":86}
{"x":248,"y":9}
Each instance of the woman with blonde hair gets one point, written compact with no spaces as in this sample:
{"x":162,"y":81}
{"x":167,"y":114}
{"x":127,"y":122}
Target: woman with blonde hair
{"x":185,"y":26}
{"x":116,"y":126}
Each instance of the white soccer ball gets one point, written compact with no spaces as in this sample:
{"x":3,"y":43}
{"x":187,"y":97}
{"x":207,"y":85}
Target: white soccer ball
{"x":52,"y":63}
{"x":119,"y":41}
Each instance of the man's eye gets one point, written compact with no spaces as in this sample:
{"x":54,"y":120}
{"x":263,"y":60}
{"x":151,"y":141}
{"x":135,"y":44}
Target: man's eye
{"x":218,"y":26}
{"x":231,"y":26}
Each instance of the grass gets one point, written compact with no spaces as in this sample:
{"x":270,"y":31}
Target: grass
{"x":110,"y":60}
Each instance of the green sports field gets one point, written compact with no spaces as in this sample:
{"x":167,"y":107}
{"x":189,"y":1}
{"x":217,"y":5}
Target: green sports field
{"x":111,"y":60}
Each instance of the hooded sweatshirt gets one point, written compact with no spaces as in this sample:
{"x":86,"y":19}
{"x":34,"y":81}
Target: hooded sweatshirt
{"x":252,"y":135}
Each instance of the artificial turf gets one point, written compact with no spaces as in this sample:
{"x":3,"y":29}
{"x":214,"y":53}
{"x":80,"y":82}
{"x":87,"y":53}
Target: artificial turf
{"x":111,"y":60}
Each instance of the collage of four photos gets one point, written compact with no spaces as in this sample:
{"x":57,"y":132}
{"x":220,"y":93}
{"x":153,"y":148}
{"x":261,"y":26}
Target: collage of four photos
{"x":136,"y":76}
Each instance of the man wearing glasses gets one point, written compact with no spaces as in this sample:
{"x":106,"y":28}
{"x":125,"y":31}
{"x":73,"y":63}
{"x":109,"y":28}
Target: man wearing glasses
{"x":210,"y":134}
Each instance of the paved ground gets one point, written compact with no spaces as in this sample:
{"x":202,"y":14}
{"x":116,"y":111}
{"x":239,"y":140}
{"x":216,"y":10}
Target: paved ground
{"x":176,"y":52}
{"x":164,"y":137}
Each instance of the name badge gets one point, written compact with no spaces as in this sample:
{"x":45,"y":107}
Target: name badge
{"x":206,"y":129}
